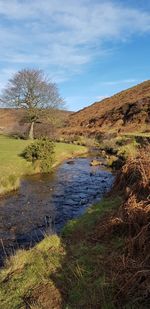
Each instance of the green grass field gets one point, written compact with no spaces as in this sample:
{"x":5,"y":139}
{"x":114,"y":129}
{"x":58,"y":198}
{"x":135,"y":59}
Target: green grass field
{"x":13,"y":166}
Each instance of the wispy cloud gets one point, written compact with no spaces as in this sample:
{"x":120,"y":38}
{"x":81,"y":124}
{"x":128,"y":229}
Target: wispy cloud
{"x":64,"y":36}
{"x":4,"y":74}
{"x":119,"y":82}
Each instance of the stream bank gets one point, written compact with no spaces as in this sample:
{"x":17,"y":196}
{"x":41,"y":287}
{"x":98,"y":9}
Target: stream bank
{"x":13,"y":167}
{"x":44,"y":203}
{"x":100,"y":260}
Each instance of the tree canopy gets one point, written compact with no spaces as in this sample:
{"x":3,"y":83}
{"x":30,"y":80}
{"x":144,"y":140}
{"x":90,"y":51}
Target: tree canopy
{"x":30,"y":88}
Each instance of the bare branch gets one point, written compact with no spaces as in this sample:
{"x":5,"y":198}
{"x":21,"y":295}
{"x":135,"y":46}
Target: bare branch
{"x":29,"y":88}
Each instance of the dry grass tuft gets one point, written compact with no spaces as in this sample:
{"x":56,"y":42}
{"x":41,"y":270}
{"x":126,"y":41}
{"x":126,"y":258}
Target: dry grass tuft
{"x":134,"y":267}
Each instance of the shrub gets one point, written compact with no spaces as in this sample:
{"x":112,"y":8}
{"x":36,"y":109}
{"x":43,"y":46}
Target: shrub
{"x":125,"y":140}
{"x":19,"y":135}
{"x":41,"y":150}
{"x":109,"y":146}
{"x":99,"y":138}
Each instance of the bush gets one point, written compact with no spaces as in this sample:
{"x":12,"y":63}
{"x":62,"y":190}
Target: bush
{"x":41,"y":150}
{"x":109,"y":146}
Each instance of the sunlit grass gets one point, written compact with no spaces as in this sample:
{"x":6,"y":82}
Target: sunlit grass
{"x":28,"y":269}
{"x":63,"y":151}
{"x":68,"y":262}
{"x":136,"y":134}
{"x":13,"y":166}
{"x":129,"y":150}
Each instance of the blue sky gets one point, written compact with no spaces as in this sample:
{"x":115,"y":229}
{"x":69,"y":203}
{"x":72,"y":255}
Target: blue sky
{"x":91,"y":49}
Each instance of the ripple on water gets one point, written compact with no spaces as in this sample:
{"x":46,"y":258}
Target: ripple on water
{"x":47,"y":202}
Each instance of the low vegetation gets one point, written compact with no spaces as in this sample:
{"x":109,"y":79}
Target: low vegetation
{"x":101,"y":260}
{"x":42,"y":152}
{"x":136,"y":134}
{"x":117,"y":150}
{"x":121,"y":145}
{"x":13,"y":165}
{"x":80,"y":140}
{"x":62,"y":272}
{"x":124,"y":112}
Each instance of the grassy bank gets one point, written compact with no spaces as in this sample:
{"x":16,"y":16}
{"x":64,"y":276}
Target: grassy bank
{"x":100,"y":261}
{"x":13,"y":166}
{"x":65,"y":272}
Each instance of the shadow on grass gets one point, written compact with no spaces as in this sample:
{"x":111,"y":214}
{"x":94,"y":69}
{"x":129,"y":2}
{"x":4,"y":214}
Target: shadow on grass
{"x":66,"y":272}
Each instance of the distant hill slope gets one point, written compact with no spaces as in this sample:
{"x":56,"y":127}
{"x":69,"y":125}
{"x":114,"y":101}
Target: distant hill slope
{"x":12,"y":121}
{"x":128,"y":110}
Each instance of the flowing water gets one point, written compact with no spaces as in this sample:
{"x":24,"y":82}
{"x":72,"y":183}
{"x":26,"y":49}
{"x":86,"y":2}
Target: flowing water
{"x":44,"y":203}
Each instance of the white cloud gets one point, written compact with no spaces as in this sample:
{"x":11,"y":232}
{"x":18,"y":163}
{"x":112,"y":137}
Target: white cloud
{"x":4,"y":73}
{"x":64,"y":36}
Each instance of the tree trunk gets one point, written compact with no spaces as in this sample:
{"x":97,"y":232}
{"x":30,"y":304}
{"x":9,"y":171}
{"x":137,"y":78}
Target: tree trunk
{"x":31,"y":132}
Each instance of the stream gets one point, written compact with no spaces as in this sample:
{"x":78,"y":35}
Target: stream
{"x":44,"y":203}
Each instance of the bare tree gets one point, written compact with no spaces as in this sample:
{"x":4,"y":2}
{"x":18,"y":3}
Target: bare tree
{"x":31,"y":89}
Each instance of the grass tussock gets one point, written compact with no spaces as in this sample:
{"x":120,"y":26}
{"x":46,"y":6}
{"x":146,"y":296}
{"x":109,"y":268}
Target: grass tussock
{"x":9,"y":183}
{"x":122,"y":146}
{"x":65,"y":272}
{"x":28,"y":271}
{"x":134,"y":274}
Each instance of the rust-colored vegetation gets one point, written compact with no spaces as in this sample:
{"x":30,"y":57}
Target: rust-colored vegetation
{"x":127,"y":111}
{"x":133,"y":267}
{"x":129,"y":270}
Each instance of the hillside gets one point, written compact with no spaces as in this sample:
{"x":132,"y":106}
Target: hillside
{"x":13,"y":121}
{"x":126,"y":111}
